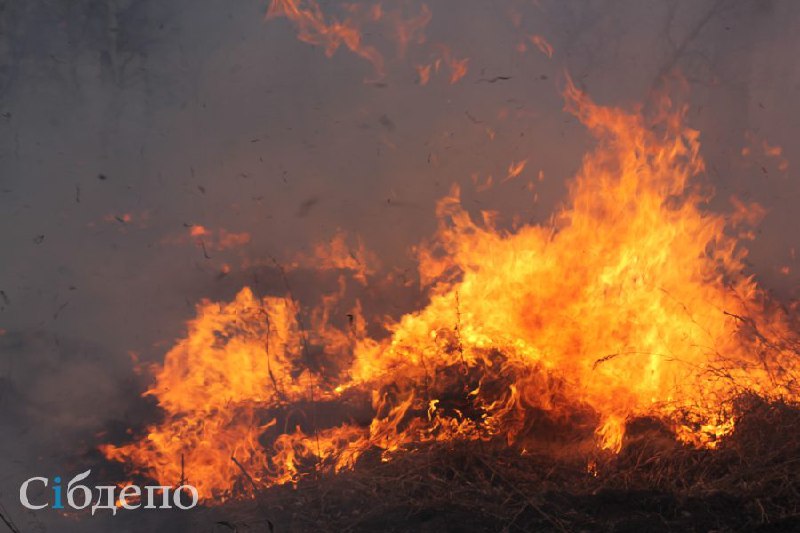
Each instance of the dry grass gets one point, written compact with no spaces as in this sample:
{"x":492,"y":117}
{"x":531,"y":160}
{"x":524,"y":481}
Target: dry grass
{"x":751,"y":482}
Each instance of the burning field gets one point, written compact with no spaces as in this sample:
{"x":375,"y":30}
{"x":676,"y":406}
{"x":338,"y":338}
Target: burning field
{"x":632,"y":302}
{"x":614,"y":365}
{"x":616,"y":341}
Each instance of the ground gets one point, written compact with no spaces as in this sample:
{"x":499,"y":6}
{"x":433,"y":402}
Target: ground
{"x":750,"y":482}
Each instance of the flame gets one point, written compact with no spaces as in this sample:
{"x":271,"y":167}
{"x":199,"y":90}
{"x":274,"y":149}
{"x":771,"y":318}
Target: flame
{"x":632,"y":301}
{"x":515,"y":169}
{"x":541,"y":43}
{"x":749,"y":213}
{"x":458,"y":67}
{"x":313,"y":28}
{"x":423,"y":74}
{"x":227,"y":239}
{"x":198,"y":231}
{"x":766,"y":149}
{"x":210,"y":239}
{"x":331,"y":33}
{"x":337,"y":254}
{"x":444,"y":58}
{"x":411,"y":30}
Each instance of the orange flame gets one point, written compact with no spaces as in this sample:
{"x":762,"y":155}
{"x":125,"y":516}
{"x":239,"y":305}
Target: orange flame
{"x":337,"y":254}
{"x":313,"y":29}
{"x":410,"y":30}
{"x":423,"y":74}
{"x":457,"y":67}
{"x":515,"y":169}
{"x":632,"y":302}
{"x":541,"y":43}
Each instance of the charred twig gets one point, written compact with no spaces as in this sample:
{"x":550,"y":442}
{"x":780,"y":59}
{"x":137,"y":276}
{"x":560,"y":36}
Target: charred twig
{"x":7,"y":521}
{"x":246,"y":474}
{"x":604,"y":359}
{"x":274,"y":381}
{"x":680,"y":49}
{"x":472,"y":119}
{"x":60,"y":308}
{"x":611,"y":356}
{"x":255,"y":489}
{"x":494,"y":79}
{"x":752,"y":325}
{"x":457,"y":329}
{"x":205,"y":252}
{"x":553,"y":520}
{"x":183,"y":473}
{"x":306,"y":352}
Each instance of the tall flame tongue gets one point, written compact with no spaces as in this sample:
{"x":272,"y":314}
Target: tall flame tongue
{"x":632,"y":302}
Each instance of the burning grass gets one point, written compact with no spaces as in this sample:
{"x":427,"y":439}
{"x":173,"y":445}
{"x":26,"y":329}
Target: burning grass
{"x":750,"y":482}
{"x":581,"y":374}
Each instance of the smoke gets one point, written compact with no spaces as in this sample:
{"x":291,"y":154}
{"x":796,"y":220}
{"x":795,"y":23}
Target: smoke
{"x":124,"y":125}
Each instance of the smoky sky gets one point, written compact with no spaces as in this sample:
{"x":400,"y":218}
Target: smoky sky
{"x":123,"y":124}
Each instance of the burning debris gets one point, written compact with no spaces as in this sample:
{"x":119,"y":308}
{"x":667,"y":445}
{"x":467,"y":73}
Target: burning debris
{"x":552,"y":340}
{"x":749,"y":483}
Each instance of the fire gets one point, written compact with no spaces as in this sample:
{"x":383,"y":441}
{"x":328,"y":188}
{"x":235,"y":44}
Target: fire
{"x":515,"y":169}
{"x":338,"y":255}
{"x":633,"y":301}
{"x":313,"y":28}
{"x":411,"y":30}
{"x":541,"y":43}
{"x":457,"y":67}
{"x":423,"y":74}
{"x":405,"y":29}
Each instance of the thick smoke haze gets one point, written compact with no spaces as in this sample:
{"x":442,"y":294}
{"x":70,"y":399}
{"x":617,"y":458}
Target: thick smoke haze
{"x":125,"y":125}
